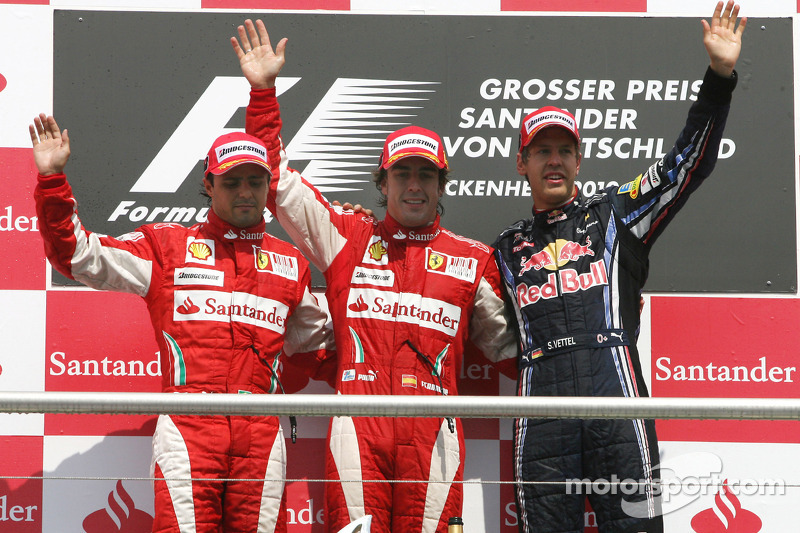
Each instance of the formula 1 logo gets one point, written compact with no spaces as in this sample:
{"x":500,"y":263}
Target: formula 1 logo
{"x":227,"y":94}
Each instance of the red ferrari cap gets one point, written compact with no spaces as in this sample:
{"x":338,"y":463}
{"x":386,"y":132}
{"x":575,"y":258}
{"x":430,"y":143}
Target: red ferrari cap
{"x":234,"y":149}
{"x":410,"y":142}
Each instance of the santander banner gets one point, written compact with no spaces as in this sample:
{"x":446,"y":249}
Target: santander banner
{"x":22,"y":265}
{"x":99,"y":341}
{"x":726,"y":348}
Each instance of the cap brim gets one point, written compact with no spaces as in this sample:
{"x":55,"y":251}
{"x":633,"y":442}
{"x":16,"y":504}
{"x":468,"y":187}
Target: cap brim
{"x":538,"y":130}
{"x":403,"y":155}
{"x":227,"y":165}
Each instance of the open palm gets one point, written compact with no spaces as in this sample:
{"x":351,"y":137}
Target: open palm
{"x":50,"y":145}
{"x":259,"y":62}
{"x":722,"y":39}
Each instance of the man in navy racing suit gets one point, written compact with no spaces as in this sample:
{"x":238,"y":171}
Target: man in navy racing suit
{"x":574,"y":273}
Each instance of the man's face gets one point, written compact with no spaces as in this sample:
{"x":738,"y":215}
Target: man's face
{"x":239,"y":195}
{"x":552,"y":164}
{"x":412,"y":191}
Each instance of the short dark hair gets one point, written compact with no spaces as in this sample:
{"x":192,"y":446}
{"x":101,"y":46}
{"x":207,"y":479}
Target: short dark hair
{"x":203,"y":192}
{"x":379,"y":176}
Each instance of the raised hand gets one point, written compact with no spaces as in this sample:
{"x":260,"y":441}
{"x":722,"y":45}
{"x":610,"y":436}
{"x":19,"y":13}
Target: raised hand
{"x":260,"y":63}
{"x":722,"y":39}
{"x":50,"y":145}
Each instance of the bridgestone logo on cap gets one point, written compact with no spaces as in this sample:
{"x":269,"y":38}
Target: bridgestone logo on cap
{"x":557,"y":118}
{"x":413,"y":141}
{"x":226,"y":151}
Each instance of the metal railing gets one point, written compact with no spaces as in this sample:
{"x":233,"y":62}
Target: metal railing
{"x":324,"y":405}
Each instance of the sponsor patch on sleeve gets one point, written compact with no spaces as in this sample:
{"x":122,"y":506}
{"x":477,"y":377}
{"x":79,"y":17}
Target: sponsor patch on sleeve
{"x":650,"y":181}
{"x":631,"y":188}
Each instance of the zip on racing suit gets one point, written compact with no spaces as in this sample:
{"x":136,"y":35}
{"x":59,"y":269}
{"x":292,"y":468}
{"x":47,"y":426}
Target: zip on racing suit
{"x":575,"y":277}
{"x":227,"y":305}
{"x":402,"y":302}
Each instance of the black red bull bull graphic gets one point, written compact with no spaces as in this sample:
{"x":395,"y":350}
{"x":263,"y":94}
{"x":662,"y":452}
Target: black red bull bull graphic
{"x":556,"y":254}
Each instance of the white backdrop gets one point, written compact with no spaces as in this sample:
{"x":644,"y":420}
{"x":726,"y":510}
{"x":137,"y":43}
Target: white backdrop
{"x":45,"y":328}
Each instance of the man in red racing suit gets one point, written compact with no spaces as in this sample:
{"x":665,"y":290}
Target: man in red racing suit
{"x":404,"y":294}
{"x":227,"y":301}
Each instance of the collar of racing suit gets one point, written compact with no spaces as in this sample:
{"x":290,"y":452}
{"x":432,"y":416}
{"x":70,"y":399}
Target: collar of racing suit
{"x":228,"y":232}
{"x":551,"y":216}
{"x":562,"y":206}
{"x":422,"y":235}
